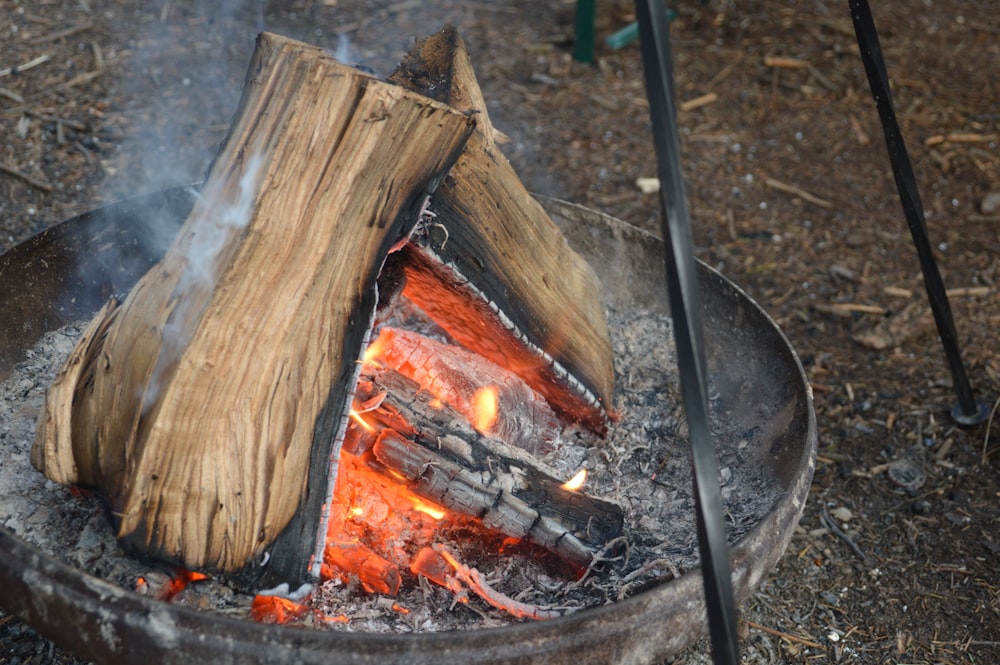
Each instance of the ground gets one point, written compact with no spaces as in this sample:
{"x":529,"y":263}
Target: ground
{"x":792,"y":199}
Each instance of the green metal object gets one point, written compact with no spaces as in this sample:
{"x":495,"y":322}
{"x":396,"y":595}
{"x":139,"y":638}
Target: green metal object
{"x":583,"y":48}
{"x":630,"y":33}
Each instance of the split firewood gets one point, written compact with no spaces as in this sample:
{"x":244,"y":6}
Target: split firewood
{"x":444,"y":460}
{"x":493,"y":269}
{"x":208,"y":405}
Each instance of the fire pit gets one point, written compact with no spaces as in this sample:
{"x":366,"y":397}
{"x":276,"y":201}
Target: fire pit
{"x":759,"y":393}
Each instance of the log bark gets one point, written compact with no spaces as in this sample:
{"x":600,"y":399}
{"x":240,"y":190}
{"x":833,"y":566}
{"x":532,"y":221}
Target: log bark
{"x":207,"y":406}
{"x":447,"y":462}
{"x":493,"y":269}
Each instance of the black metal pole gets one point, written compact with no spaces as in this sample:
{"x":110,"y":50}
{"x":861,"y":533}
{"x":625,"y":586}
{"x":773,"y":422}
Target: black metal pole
{"x":685,"y":310}
{"x":967,"y":411}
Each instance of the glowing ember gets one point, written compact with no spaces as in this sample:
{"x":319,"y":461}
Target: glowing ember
{"x":375,"y":573}
{"x":180,"y":581}
{"x":275,"y":609}
{"x":484,"y":409}
{"x":378,"y":528}
{"x":576,"y":482}
{"x":440,"y":566}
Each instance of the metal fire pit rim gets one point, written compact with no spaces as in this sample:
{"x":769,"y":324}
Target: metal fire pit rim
{"x":176,"y":634}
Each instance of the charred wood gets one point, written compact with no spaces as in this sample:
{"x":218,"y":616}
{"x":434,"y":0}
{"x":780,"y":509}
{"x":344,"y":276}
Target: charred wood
{"x":496,"y":401}
{"x":446,"y":461}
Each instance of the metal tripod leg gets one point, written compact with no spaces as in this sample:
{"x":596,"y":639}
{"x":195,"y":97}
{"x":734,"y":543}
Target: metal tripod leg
{"x":968,"y":411}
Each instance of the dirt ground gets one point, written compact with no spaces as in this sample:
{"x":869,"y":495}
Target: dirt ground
{"x":792,"y":199}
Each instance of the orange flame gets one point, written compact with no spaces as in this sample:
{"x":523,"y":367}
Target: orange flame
{"x":374,"y":349}
{"x":428,"y":508}
{"x":485,"y":409}
{"x":356,"y":417}
{"x":576,"y":482}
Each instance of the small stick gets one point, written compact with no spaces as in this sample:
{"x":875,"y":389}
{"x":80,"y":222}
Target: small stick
{"x":698,"y":102}
{"x":42,"y":59}
{"x":824,"y":81}
{"x":970,"y":291}
{"x":897,"y":292}
{"x":843,"y":536}
{"x":68,"y":32}
{"x":34,"y":182}
{"x":959,"y":137}
{"x":783,"y":635}
{"x":725,"y":71}
{"x":11,"y":95}
{"x":98,"y":56}
{"x":989,"y":426}
{"x":786,"y":63}
{"x":797,"y":191}
{"x":859,"y":308}
{"x":474,"y":579}
{"x":72,"y":124}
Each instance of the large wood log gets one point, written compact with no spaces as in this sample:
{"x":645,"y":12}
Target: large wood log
{"x":207,"y":406}
{"x":493,"y":269}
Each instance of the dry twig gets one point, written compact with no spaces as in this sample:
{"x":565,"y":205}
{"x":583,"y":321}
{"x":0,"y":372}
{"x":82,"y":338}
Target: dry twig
{"x":786,"y":63}
{"x":855,"y":308}
{"x":837,"y":531}
{"x":34,"y":182}
{"x":698,"y":102}
{"x":42,"y":59}
{"x":62,"y":34}
{"x":797,"y":191}
{"x":960,"y":137}
{"x":989,"y":427}
{"x":478,"y":585}
{"x":783,"y":635}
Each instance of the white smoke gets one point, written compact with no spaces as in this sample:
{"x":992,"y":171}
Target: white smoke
{"x":201,"y":270}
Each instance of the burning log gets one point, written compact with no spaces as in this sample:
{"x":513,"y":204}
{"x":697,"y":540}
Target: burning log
{"x":493,"y":269}
{"x":444,"y":460}
{"x":498,"y":403}
{"x":207,"y":405}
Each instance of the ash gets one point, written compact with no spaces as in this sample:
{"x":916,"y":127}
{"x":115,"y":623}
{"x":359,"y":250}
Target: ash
{"x":643,"y":464}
